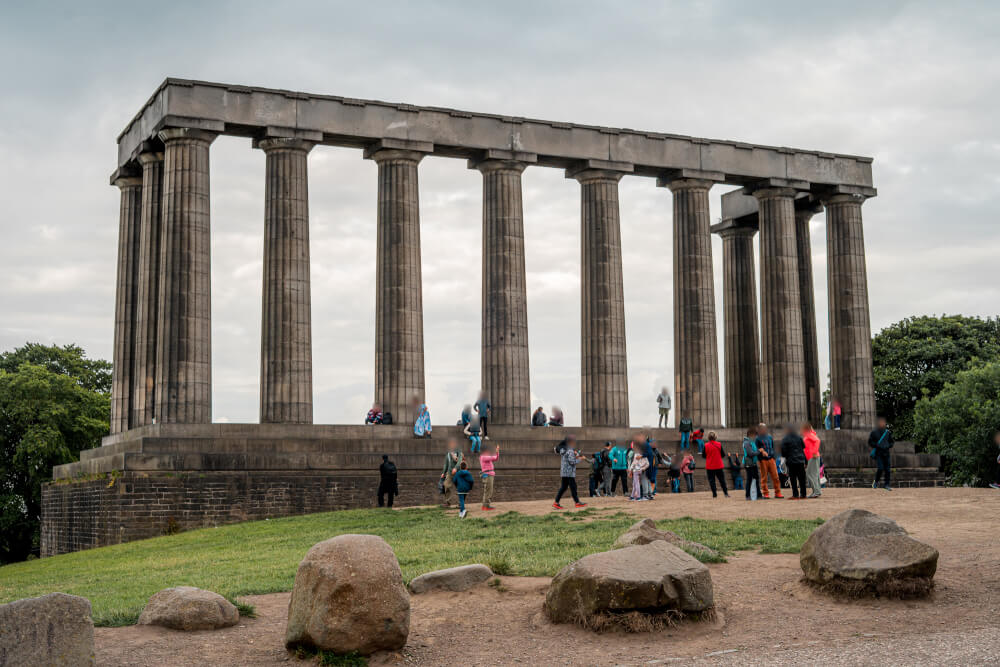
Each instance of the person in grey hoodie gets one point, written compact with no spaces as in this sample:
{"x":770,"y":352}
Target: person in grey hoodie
{"x":452,"y":464}
{"x":570,"y":456}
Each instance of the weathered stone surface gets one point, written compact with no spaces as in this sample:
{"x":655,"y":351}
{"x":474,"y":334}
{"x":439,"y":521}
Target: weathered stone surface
{"x":807,"y":306}
{"x":460,"y":578}
{"x":652,"y":577}
{"x":646,"y":532}
{"x":55,"y":629}
{"x":349,"y":596}
{"x":189,"y":608}
{"x":148,"y":290}
{"x":126,"y":289}
{"x":858,"y":549}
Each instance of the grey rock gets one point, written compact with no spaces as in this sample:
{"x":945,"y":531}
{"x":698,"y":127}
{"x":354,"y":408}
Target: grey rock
{"x":55,"y":629}
{"x":189,"y":608}
{"x":645,"y":532}
{"x":460,"y":578}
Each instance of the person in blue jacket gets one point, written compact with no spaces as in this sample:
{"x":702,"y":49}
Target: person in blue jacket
{"x":463,"y":484}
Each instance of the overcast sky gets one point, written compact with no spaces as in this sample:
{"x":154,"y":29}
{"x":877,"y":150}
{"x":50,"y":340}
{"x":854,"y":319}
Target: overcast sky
{"x":914,"y":85}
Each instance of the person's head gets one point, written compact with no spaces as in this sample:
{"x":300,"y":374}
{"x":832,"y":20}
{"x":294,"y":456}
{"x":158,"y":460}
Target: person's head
{"x":376,"y":406}
{"x":452,"y":444}
{"x":664,"y":391}
{"x":482,"y":394}
{"x":571,"y":441}
{"x":791,"y":427}
{"x":807,"y":428}
{"x":385,"y":457}
{"x":881,"y":421}
{"x":711,"y":435}
{"x":464,"y":466}
{"x":762,"y":429}
{"x":751,"y":432}
{"x":467,"y":408}
{"x":607,"y":446}
{"x":538,"y":409}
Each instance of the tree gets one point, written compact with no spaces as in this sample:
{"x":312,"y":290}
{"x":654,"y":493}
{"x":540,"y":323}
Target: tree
{"x":47,"y":415}
{"x":918,"y":356}
{"x":960,"y":422}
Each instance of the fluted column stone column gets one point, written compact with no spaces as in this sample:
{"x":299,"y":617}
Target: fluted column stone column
{"x":144,"y":384}
{"x":123,"y":361}
{"x":505,"y":304}
{"x":740,"y":335}
{"x":399,"y":320}
{"x":184,"y":330}
{"x":807,"y":305}
{"x":851,"y":376}
{"x":696,"y":352}
{"x":286,"y":392}
{"x":782,"y":375}
{"x":604,"y":399}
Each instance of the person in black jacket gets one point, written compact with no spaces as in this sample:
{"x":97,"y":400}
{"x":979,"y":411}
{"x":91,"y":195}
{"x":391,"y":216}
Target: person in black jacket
{"x":387,"y":482}
{"x":793,"y":448}
{"x":881,"y":442}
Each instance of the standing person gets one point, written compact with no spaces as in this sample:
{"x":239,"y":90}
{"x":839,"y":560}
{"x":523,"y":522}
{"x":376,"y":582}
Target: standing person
{"x":714,"y":467}
{"x":828,"y":417}
{"x":463,"y":484}
{"x":638,"y":468}
{"x":687,"y":469}
{"x":538,"y":418}
{"x":750,"y":463}
{"x":649,"y":451}
{"x":663,"y":403}
{"x":675,"y":475}
{"x":387,"y":482}
{"x":880,"y":440}
{"x":374,"y":415}
{"x":595,"y":475}
{"x":685,"y":426}
{"x":793,"y":448}
{"x":556,"y":419}
{"x":766,"y":463}
{"x":735,"y":471}
{"x":567,"y":470}
{"x":488,"y":473}
{"x":837,"y":410}
{"x":812,"y":459}
{"x":472,"y":432}
{"x":452,"y":464}
{"x":422,"y":422}
{"x":606,"y":473}
{"x":619,"y":469}
{"x":484,"y":409}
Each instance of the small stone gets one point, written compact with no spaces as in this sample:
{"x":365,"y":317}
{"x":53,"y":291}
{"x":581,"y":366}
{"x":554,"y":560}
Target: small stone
{"x":189,"y":608}
{"x":455,"y":579}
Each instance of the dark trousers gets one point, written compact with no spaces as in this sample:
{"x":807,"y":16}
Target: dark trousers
{"x":753,"y":476}
{"x":568,"y":483}
{"x":882,"y":466}
{"x":619,"y":475}
{"x":717,"y":476}
{"x":737,"y":478}
{"x":384,"y":489}
{"x":797,"y":473}
{"x":689,"y":481}
{"x":593,"y":486}
{"x":483,"y":419}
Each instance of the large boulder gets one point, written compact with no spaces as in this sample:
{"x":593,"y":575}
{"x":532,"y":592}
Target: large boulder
{"x":858,"y":551}
{"x":645,"y":532}
{"x":349,"y":596}
{"x":649,"y":578}
{"x":189,"y":608}
{"x":460,"y":578}
{"x":55,"y":629}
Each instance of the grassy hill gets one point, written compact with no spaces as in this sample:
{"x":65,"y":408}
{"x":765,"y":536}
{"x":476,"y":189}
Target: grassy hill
{"x":262,"y":556}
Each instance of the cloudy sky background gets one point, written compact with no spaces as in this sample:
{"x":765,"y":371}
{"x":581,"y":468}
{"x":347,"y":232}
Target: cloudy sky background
{"x":914,"y":85}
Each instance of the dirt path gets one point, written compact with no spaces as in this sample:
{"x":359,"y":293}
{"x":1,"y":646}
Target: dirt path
{"x":766,"y":615}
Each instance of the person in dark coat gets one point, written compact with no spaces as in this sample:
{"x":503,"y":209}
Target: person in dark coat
{"x":387,"y":481}
{"x":881,"y":442}
{"x":793,"y":448}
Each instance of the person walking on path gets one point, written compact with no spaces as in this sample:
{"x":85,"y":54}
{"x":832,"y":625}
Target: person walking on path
{"x":687,"y":469}
{"x":663,"y":403}
{"x":387,"y":482}
{"x":567,"y":470}
{"x":793,"y":448}
{"x":619,"y":469}
{"x":463,"y":484}
{"x":735,"y":471}
{"x":685,"y":426}
{"x":422,"y":424}
{"x":539,"y":418}
{"x":484,"y":409}
{"x":766,"y":463}
{"x":881,"y":442}
{"x":606,"y":470}
{"x":638,"y":469}
{"x":714,"y":466}
{"x":812,"y":459}
{"x":452,"y":464}
{"x":488,"y":473}
{"x":752,"y":485}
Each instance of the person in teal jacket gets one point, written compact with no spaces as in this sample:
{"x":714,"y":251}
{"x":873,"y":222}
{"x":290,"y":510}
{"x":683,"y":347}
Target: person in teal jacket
{"x":619,"y":469}
{"x":749,"y":460}
{"x":463,"y":484}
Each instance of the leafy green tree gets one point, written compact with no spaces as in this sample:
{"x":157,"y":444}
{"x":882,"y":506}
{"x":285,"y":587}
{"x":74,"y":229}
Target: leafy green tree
{"x":960,"y":423}
{"x":918,"y":356}
{"x":47,"y":415}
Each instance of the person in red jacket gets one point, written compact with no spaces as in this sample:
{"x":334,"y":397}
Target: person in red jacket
{"x":812,"y":459}
{"x":714,"y":466}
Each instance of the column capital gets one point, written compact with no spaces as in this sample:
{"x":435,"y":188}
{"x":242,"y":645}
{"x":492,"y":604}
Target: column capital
{"x":732,"y":229}
{"x":269,"y":144}
{"x":689,"y":178}
{"x":844,"y":193}
{"x":149,"y":157}
{"x":773,"y":193}
{"x":844,"y":198}
{"x":599,"y":170}
{"x":398,"y":149}
{"x":194,"y":134}
{"x":498,"y":160}
{"x":677,"y":184}
{"x":128,"y":181}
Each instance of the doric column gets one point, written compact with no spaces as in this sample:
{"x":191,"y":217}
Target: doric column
{"x":144,"y":385}
{"x":782,"y":369}
{"x":739,"y":315}
{"x":807,"y":305}
{"x":399,"y":319}
{"x":184,"y":330}
{"x":851,"y":377}
{"x":505,"y":303}
{"x":604,"y":400}
{"x":123,"y":362}
{"x":696,"y":352}
{"x":286,"y":394}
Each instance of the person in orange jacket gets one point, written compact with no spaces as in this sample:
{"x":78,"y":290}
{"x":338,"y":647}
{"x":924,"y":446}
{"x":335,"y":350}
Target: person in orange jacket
{"x":812,"y":459}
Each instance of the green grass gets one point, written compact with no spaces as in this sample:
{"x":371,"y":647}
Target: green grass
{"x":262,"y":556}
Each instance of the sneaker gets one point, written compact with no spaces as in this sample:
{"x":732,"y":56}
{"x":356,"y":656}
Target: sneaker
{"x":487,"y":508}
{"x":874,"y":485}
{"x":727,"y":495}
{"x":994,"y":485}
{"x":461,"y":515}
{"x":887,"y":487}
{"x":581,"y":504}
{"x":556,"y":506}
{"x":778,"y":495}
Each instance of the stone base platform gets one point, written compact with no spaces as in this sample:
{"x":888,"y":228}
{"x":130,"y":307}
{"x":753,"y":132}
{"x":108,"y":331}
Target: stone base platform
{"x":164,"y":478}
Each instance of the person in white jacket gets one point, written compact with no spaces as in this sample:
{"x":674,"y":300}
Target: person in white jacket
{"x":638,"y":469}
{"x":663,"y":403}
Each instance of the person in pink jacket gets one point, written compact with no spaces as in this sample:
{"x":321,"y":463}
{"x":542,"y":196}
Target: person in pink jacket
{"x":486,"y":461}
{"x":812,"y":459}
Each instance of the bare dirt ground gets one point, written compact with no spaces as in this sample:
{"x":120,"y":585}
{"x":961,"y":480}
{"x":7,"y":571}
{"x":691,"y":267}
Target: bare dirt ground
{"x":767,"y":616}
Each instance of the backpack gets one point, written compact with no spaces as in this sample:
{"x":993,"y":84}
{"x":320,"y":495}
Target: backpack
{"x":390,"y":468}
{"x":560,"y":448}
{"x":386,"y":417}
